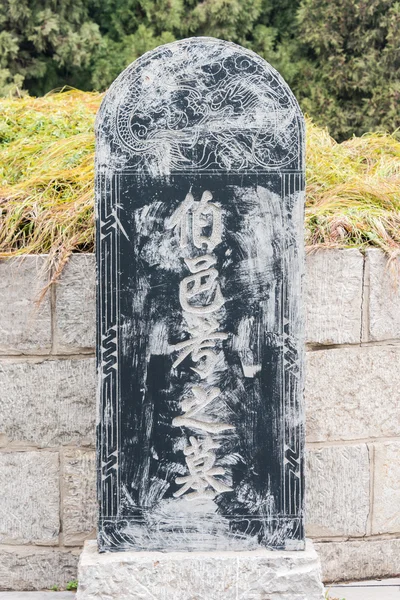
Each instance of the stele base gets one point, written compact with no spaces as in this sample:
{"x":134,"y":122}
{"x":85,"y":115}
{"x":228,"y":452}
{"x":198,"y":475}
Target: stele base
{"x":253,"y":575}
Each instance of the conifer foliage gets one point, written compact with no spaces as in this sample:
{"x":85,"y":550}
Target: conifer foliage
{"x":46,"y":44}
{"x":352,"y":79}
{"x":341,"y":57}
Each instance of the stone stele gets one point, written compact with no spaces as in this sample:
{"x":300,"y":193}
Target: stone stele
{"x":199,"y":208}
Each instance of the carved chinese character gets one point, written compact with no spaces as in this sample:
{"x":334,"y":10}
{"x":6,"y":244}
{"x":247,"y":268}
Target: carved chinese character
{"x":200,"y":283}
{"x":205,"y":219}
{"x":193,"y":405}
{"x":201,"y":345}
{"x":200,"y":460}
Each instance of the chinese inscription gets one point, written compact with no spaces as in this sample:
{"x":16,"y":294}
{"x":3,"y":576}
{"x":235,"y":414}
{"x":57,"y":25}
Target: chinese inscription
{"x":200,"y":224}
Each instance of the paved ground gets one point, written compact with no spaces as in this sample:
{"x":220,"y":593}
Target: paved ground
{"x":37,"y":596}
{"x":387,"y":589}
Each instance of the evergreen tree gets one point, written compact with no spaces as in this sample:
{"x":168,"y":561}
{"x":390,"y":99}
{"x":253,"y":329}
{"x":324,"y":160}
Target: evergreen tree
{"x":131,"y":27}
{"x":340,"y":57}
{"x":45,"y":44}
{"x":350,"y":76}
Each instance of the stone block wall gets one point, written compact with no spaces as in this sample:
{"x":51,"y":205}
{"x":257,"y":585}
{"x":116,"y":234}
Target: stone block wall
{"x":47,"y":417}
{"x":47,"y":421}
{"x":352,"y":394}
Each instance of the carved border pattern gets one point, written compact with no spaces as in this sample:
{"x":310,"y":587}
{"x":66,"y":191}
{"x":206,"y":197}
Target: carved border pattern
{"x":107,"y":346}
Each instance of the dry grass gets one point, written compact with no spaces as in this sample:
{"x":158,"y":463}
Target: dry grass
{"x":353,"y":191}
{"x":46,"y":175}
{"x":46,"y":181}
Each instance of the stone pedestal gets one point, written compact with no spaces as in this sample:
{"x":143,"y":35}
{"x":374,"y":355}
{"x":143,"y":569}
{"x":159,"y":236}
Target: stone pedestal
{"x":253,"y":575}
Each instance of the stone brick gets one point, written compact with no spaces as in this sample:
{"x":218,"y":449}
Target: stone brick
{"x":75,"y":313}
{"x":386,"y":513}
{"x":25,"y":326}
{"x":48,"y":403}
{"x":29,"y":484}
{"x":79,"y":498}
{"x":353,"y":393}
{"x":337,"y":491}
{"x":357,"y":560}
{"x":333,"y":296}
{"x":33,"y":568}
{"x":383,"y":300}
{"x":261,"y":575}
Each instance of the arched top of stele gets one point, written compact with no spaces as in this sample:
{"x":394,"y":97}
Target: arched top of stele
{"x":199,"y":104}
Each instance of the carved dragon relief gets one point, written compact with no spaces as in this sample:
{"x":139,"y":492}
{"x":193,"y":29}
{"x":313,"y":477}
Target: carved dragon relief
{"x":199,"y":105}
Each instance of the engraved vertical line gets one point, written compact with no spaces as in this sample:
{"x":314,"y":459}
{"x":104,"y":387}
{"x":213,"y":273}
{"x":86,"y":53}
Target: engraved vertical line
{"x":283,"y":392}
{"x":289,"y":375}
{"x":118,"y":355}
{"x":117,"y":340}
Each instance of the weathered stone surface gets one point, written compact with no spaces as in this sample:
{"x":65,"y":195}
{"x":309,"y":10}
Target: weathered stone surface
{"x":186,"y":575}
{"x":337,"y":498}
{"x":75,"y":313}
{"x":25,"y":326}
{"x":333,"y":296}
{"x":386,"y":514}
{"x":48,"y":403}
{"x":366,"y":559}
{"x":29,"y":484}
{"x":33,"y":568}
{"x":79,"y":498}
{"x":383,"y":301}
{"x":353,"y":393}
